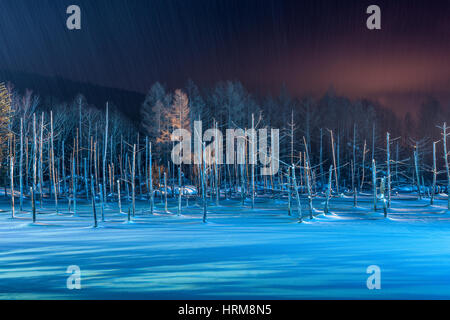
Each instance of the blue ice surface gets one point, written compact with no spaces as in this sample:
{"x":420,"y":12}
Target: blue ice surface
{"x":239,"y":254}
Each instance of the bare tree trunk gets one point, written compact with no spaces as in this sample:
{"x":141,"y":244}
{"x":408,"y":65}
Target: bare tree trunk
{"x":309,"y":188}
{"x":363,"y":165}
{"x":383,"y":195}
{"x":327,"y":201}
{"x":297,"y":196}
{"x":355,"y":201}
{"x":119,"y":200}
{"x":146,"y":165}
{"x":41,"y":161}
{"x":102,"y":202}
{"x":373,"y":141}
{"x":354,"y":165}
{"x":242,"y":184}
{"x":139,"y":165}
{"x":133,"y":177}
{"x":80,"y":125}
{"x":33,"y":204}
{"x":27,"y":186}
{"x":93,"y":201}
{"x":152,"y":202}
{"x":334,"y":162}
{"x":52,"y":160}
{"x":253,"y":152}
{"x":444,"y":139}
{"x":416,"y":166}
{"x":321,"y":158}
{"x":74,"y":185}
{"x":433,"y":188}
{"x":35,"y":154}
{"x":203,"y":174}
{"x":63,"y":169}
{"x":308,"y":178}
{"x":165,"y":192}
{"x":11,"y":168}
{"x":216,"y":166}
{"x":338,"y":156}
{"x":105,"y":150}
{"x":289,"y":191}
{"x":396,"y":162}
{"x":21,"y":164}
{"x":374,"y":184}
{"x":292,"y":137}
{"x":179,"y":191}
{"x":388,"y":164}
{"x":86,"y":178}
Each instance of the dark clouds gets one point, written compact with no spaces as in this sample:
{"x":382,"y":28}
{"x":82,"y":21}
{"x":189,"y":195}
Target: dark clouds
{"x":309,"y":45}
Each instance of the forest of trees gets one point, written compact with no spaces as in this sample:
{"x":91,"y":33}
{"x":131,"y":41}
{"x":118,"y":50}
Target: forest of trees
{"x":60,"y":147}
{"x":231,"y":105}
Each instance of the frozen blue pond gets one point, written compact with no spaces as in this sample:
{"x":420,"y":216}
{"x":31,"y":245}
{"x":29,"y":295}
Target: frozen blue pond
{"x":240,"y":253}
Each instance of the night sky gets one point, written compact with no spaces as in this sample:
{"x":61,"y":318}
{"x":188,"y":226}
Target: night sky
{"x":308,"y":45}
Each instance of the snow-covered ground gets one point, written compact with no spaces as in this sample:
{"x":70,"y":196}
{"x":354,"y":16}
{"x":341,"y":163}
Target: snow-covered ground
{"x":240,"y":253}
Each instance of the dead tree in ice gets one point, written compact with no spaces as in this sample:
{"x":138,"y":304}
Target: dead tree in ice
{"x":397,"y":154}
{"x":416,"y":166}
{"x":41,"y":161}
{"x":289,"y":189}
{"x":74,"y":186}
{"x":64,"y":169}
{"x":338,"y":158}
{"x":433,"y":188}
{"x":203,"y":177}
{"x":35,"y":156}
{"x":327,"y":201}
{"x":388,"y":165}
{"x":93,"y":202}
{"x":133,"y":178}
{"x":383,"y":195}
{"x":179,"y":191}
{"x":216,"y":164}
{"x":33,"y":204}
{"x":104,"y":152}
{"x":353,"y":166}
{"x":297,"y":196}
{"x":363,"y":165}
{"x":321,"y":159}
{"x":119,"y":199}
{"x":308,"y":179}
{"x":165,"y":192}
{"x":52,"y":162}
{"x":151,"y":179}
{"x":373,"y":141}
{"x":85,"y":178}
{"x":21,"y":164}
{"x":242,"y":178}
{"x":253,"y":159}
{"x":291,"y":135}
{"x":334,"y":161}
{"x":355,"y":194}
{"x":374,"y":184}
{"x":102,"y":202}
{"x":11,"y":167}
{"x":309,"y":188}
{"x":444,"y":139}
